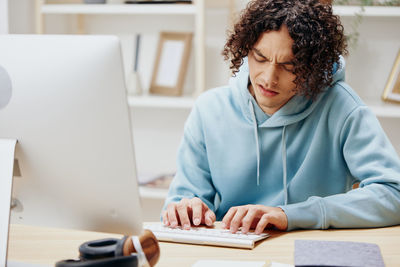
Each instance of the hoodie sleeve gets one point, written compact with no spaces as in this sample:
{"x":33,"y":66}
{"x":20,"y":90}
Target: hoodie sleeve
{"x":193,"y":178}
{"x":370,"y":158}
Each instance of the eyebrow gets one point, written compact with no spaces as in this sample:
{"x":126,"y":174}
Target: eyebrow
{"x":258,"y":52}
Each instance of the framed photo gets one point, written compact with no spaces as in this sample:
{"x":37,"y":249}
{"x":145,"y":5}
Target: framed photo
{"x":392,"y":88}
{"x":171,"y":63}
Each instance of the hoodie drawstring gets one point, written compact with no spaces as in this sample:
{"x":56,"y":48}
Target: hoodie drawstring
{"x":284,"y":164}
{"x":255,"y":127}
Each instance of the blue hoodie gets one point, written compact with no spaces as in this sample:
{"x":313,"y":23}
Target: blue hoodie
{"x":304,"y":158}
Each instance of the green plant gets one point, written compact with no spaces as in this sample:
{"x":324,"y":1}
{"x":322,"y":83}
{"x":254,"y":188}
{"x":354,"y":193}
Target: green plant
{"x":352,"y":34}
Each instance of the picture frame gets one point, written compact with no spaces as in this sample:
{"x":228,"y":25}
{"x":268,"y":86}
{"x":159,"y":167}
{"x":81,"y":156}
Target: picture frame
{"x":392,"y":88}
{"x":171,"y":63}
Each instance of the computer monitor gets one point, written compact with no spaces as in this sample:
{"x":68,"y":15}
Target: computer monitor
{"x":74,"y":160}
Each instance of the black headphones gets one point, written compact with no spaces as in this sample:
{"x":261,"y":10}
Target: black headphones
{"x":102,"y":253}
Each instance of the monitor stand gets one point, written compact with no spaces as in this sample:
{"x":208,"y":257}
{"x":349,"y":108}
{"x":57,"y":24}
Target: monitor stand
{"x":7,"y":151}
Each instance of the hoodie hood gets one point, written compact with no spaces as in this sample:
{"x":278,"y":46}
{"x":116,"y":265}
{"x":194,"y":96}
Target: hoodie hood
{"x":295,"y":110}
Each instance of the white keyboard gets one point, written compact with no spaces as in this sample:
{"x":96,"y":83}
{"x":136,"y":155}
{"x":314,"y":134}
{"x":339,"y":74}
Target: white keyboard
{"x":205,"y":236}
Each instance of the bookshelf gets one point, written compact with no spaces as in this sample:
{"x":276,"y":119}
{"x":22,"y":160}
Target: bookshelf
{"x":196,"y":10}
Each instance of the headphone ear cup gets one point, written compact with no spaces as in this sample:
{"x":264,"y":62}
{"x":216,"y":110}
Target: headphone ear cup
{"x":98,"y":249}
{"x":119,"y":248}
{"x":124,"y":261}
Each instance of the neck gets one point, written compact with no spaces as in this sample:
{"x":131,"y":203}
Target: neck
{"x":251,"y":91}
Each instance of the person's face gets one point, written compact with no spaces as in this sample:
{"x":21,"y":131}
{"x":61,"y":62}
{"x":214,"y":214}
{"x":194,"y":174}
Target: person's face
{"x":270,"y":65}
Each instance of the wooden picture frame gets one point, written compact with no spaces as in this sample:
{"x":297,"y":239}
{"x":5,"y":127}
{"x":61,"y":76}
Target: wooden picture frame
{"x":392,"y":88}
{"x":171,"y":63}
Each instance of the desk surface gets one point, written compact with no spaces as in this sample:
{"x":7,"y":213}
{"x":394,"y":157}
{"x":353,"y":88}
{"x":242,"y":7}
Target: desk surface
{"x":48,"y":245}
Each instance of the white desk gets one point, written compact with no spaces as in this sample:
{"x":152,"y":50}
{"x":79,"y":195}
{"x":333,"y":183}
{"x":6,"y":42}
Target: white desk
{"x":49,"y":245}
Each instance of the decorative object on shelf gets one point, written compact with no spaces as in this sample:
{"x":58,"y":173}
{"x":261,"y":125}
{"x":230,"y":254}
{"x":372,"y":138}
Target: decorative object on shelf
{"x":392,"y":88}
{"x":171,"y":63}
{"x":133,"y":82}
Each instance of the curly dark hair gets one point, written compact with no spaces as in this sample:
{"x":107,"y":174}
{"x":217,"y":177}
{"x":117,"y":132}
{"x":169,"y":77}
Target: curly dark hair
{"x":317,"y":34}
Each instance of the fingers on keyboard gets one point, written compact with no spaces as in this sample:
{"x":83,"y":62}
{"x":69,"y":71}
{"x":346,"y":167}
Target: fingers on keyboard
{"x":165,"y":218}
{"x":209,"y":217}
{"x":172,"y":218}
{"x":182,"y":210}
{"x":197,"y":210}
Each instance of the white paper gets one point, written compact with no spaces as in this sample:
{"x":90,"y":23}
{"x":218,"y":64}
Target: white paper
{"x":223,"y":263}
{"x":170,"y":63}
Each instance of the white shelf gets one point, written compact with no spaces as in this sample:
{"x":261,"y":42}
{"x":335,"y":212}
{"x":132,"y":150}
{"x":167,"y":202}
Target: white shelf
{"x":369,"y":11}
{"x":381,"y":109}
{"x":121,"y":9}
{"x":181,"y":102}
{"x":155,"y":193}
{"x":385,"y":110}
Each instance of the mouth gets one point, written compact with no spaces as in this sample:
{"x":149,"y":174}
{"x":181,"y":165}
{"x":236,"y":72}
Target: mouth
{"x":267,"y":92}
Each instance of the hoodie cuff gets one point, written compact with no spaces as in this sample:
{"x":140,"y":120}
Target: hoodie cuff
{"x":309,"y":214}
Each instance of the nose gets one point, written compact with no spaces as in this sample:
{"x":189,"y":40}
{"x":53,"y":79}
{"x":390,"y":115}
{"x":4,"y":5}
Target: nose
{"x":270,"y":75}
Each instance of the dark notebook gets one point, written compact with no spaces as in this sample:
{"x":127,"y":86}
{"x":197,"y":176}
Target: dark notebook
{"x":336,"y":253}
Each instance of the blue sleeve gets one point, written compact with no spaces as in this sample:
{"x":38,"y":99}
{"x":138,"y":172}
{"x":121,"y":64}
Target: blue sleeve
{"x":193,"y":178}
{"x":371,"y":158}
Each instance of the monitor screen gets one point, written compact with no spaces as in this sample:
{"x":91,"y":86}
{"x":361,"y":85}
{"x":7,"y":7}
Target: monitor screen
{"x":74,"y":160}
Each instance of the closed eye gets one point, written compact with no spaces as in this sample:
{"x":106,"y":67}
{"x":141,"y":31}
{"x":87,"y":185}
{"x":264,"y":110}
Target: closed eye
{"x":288,"y":67}
{"x":260,"y":59}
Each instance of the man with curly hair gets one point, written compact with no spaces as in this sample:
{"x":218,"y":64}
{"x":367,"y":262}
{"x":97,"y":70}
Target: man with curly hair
{"x":283,"y":143}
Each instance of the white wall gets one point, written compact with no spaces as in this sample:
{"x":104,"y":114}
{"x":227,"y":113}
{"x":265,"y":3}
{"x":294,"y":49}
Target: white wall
{"x":3,"y":16}
{"x":21,"y":16}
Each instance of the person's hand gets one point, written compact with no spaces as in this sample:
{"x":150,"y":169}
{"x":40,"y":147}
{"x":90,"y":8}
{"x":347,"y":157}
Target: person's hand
{"x":188,"y":211}
{"x":254,"y":216}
